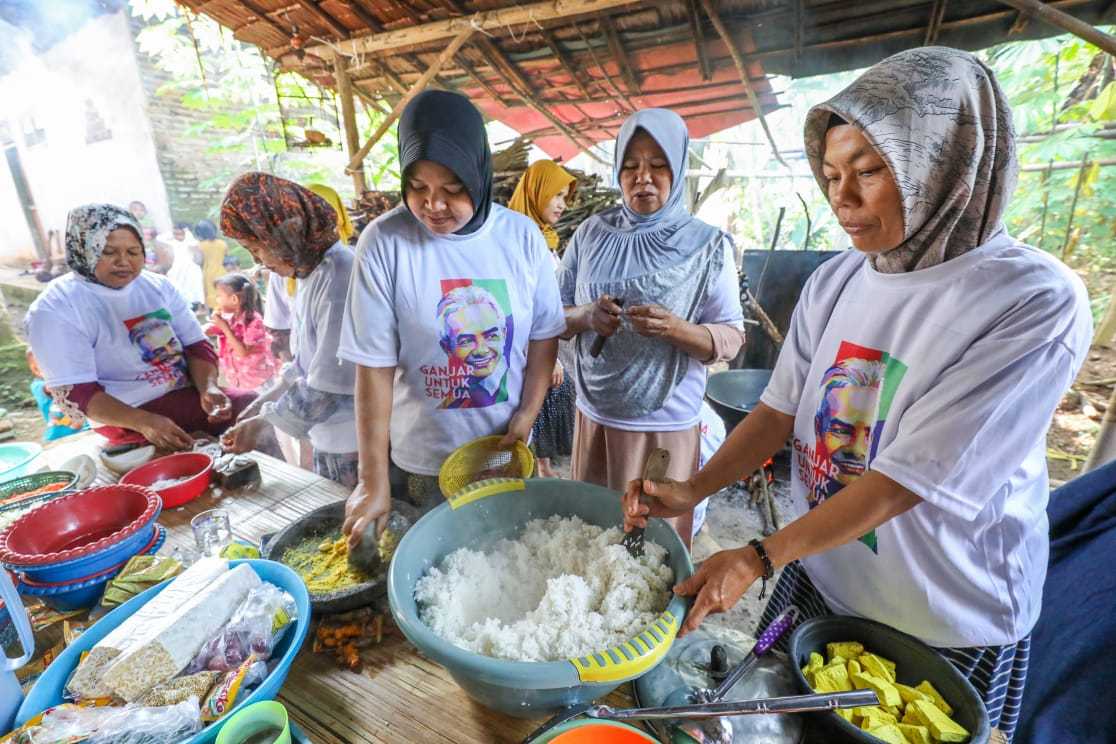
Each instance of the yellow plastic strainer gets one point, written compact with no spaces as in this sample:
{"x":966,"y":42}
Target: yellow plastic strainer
{"x":484,"y":459}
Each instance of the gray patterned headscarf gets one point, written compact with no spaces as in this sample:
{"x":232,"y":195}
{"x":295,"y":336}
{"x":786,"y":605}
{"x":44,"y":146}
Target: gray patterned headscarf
{"x":87,"y":229}
{"x":939,"y":120}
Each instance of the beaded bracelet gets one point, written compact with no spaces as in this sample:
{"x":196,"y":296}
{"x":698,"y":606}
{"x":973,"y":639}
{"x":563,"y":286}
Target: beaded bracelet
{"x":765,"y":559}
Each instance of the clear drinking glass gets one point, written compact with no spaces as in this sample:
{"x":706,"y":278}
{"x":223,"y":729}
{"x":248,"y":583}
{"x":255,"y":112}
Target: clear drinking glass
{"x":212,"y":531}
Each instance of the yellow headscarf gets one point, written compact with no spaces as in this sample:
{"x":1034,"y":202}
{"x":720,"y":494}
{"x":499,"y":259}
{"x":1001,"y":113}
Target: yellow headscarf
{"x":345,"y":227}
{"x":344,"y":224}
{"x":540,"y":183}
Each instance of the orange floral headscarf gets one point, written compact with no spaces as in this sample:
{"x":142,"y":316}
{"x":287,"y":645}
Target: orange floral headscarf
{"x":293,"y":221}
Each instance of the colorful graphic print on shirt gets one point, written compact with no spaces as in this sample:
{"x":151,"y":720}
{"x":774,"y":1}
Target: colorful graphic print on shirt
{"x":154,"y":338}
{"x":476,"y":334}
{"x":856,"y":395}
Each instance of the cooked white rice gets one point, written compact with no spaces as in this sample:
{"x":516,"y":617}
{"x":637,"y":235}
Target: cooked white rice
{"x":563,"y":589}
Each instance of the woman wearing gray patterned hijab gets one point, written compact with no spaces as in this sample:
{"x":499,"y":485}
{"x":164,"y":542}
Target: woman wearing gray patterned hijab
{"x":940,"y":123}
{"x":916,"y":383}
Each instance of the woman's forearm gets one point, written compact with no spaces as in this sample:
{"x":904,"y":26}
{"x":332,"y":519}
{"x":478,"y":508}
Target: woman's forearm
{"x":374,"y":387}
{"x":577,"y":320}
{"x":203,"y":373}
{"x":852,"y":512}
{"x":761,"y":434}
{"x":693,"y":340}
{"x":109,"y":411}
{"x":541,"y":356}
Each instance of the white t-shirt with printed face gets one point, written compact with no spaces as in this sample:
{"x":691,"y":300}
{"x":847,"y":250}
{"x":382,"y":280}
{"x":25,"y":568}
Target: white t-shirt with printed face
{"x":129,"y":340}
{"x":945,"y":381}
{"x":454,"y":314}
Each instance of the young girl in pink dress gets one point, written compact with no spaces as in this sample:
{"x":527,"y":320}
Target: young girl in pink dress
{"x":244,"y":343}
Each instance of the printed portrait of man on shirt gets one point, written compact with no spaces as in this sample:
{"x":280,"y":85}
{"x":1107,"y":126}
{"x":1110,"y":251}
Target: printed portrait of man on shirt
{"x":155,"y":339}
{"x":477,"y":334}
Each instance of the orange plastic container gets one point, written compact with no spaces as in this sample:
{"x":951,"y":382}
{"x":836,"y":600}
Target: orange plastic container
{"x":601,"y":732}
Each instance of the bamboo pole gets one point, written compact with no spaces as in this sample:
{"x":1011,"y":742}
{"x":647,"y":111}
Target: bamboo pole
{"x":1066,"y":22}
{"x":499,"y":20}
{"x":446,"y":55}
{"x":745,"y":78}
{"x":348,"y":118}
{"x":1104,"y":449}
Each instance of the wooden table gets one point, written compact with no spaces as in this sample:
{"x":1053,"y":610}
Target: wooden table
{"x":400,"y":696}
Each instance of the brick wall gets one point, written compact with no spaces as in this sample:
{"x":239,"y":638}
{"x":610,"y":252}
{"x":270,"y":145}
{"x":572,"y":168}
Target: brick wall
{"x":184,"y":157}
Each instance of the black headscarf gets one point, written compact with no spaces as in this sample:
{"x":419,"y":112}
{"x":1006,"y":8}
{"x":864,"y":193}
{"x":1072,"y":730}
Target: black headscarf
{"x":445,"y":128}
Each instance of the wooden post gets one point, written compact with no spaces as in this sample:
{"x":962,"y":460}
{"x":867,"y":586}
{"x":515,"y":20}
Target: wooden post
{"x":1066,"y":22}
{"x":446,"y":55}
{"x":742,"y":69}
{"x":1104,"y":448}
{"x":348,"y":118}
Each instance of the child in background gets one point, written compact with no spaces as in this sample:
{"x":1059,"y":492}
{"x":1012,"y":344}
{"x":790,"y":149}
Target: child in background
{"x":244,"y":344}
{"x":60,"y":423}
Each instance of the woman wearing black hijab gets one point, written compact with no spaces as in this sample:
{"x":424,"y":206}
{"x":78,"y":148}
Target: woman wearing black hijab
{"x":453,"y":314}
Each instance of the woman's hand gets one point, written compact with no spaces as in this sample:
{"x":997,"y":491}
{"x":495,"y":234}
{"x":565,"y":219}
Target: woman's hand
{"x":668,"y":499}
{"x":604,"y":316}
{"x":164,"y":433}
{"x":216,"y":404}
{"x":243,"y":436}
{"x":718,"y":584}
{"x":366,"y":505}
{"x":519,"y":430}
{"x":558,"y":375}
{"x":654,"y":321}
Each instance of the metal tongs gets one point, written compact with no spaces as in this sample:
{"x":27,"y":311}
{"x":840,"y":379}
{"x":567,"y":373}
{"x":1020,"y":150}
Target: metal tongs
{"x":701,"y":711}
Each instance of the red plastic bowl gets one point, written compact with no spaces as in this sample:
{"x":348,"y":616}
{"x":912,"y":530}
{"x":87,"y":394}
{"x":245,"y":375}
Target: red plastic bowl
{"x":78,"y":525}
{"x":158,"y":535}
{"x":197,"y":466}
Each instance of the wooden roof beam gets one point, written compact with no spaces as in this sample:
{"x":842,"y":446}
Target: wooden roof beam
{"x":616,"y":46}
{"x":1022,"y":20}
{"x":363,"y":14}
{"x":565,"y":61}
{"x":1066,"y":22}
{"x":522,"y":88}
{"x":476,"y":76}
{"x":409,"y":9}
{"x":937,"y":15}
{"x":694,"y":16}
{"x":261,"y":14}
{"x":330,"y":22}
{"x":447,"y":54}
{"x":498,"y":20}
{"x":745,"y":78}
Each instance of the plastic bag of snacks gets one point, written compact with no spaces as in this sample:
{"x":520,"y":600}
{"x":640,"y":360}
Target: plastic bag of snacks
{"x":232,"y":687}
{"x":253,"y":629}
{"x":128,"y":724}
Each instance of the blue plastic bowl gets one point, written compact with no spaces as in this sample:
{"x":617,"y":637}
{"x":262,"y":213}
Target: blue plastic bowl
{"x":16,"y":458}
{"x":47,"y":691}
{"x":82,"y":594}
{"x":78,"y":568}
{"x":527,"y":689}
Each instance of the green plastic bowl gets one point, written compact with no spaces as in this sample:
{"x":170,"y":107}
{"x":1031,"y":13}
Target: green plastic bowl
{"x":497,"y":509}
{"x":255,"y":719}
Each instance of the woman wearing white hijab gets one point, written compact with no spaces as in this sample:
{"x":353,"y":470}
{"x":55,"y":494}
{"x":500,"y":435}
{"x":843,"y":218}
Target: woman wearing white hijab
{"x":916,"y":382}
{"x":661,"y":286}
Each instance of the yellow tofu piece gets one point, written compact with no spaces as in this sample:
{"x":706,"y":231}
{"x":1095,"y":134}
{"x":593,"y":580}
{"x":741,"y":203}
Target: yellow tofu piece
{"x":886,"y":691}
{"x":837,"y":660}
{"x":910,"y":694}
{"x":915,"y":734}
{"x":817,"y":661}
{"x":854,"y":667}
{"x":833,"y":678}
{"x":895,"y":710}
{"x":928,"y":689}
{"x":874,"y":665}
{"x":859,"y":714}
{"x":874,"y":717}
{"x":889,"y":733}
{"x":846,"y":713}
{"x":845,"y":649}
{"x":942,"y":727}
{"x":910,"y":716}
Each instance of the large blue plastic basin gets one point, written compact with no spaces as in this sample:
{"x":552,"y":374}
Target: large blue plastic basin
{"x":520,"y":688}
{"x":47,"y":691}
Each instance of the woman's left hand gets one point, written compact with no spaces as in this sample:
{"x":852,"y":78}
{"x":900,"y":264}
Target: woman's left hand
{"x":654,"y":321}
{"x":242,"y":437}
{"x":558,"y":375}
{"x":718,"y":584}
{"x":216,"y":405}
{"x":519,"y":430}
